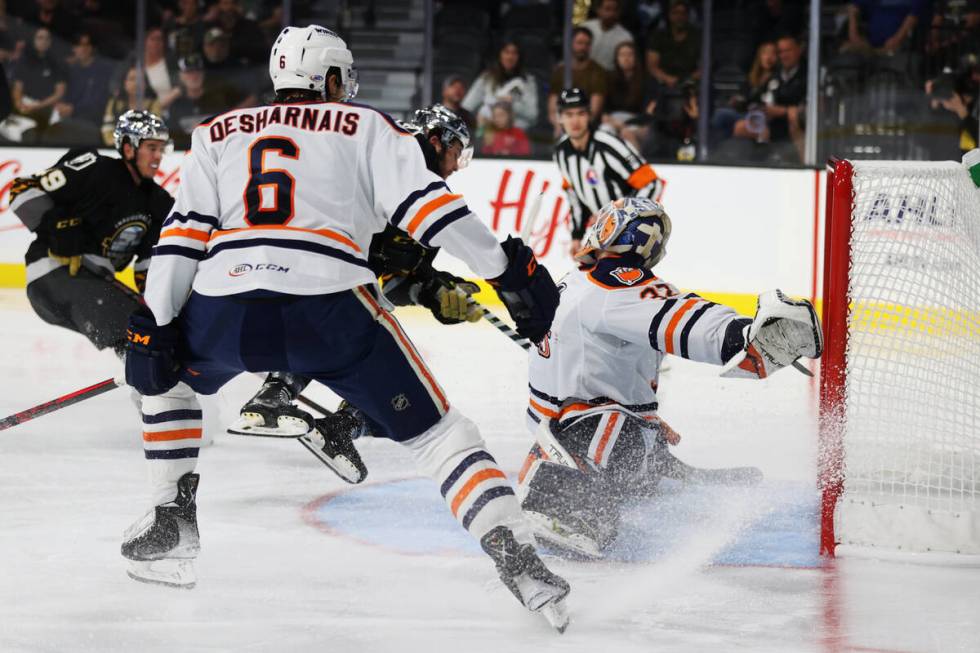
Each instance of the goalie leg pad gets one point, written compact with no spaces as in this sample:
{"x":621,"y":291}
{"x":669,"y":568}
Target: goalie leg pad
{"x":569,"y":508}
{"x":474,"y":487}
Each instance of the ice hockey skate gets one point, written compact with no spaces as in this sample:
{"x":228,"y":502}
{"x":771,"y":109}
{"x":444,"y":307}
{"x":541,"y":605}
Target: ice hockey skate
{"x":162,"y":545}
{"x":271,"y":413}
{"x":526,"y":576}
{"x":332,"y":441}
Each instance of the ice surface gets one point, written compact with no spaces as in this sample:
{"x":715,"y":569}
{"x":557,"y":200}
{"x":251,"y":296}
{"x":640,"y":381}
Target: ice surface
{"x":295,"y":560}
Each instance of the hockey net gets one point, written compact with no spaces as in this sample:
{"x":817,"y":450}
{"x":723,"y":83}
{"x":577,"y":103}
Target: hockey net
{"x":900,"y":381}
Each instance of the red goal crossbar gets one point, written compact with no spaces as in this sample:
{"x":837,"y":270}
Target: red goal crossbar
{"x":833,"y":366}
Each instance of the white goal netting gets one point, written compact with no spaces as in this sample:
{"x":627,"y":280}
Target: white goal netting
{"x":912,"y":390}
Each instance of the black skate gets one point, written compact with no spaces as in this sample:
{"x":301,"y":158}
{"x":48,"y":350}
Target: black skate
{"x":163,"y":544}
{"x":332,"y":441}
{"x":525,"y":575}
{"x":271,"y":413}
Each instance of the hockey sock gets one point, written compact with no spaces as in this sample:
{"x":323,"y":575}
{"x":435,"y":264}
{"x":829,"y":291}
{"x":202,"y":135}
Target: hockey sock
{"x":172,"y":428}
{"x":472,"y":484}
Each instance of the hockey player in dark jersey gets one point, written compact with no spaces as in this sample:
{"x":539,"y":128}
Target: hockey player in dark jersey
{"x":596,"y":166}
{"x":408,"y":278}
{"x":91,"y":216}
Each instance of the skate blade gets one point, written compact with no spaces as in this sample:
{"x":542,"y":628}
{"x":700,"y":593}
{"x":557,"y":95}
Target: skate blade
{"x":339,"y":465}
{"x":179,"y":574}
{"x":556,"y":614}
{"x":544,"y":528}
{"x":253,"y":424}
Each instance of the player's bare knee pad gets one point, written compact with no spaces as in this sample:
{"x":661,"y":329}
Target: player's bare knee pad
{"x":172,"y":430}
{"x":478,"y":493}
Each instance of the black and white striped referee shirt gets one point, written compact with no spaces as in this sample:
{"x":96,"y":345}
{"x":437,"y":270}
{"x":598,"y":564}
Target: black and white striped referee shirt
{"x":608,"y":169}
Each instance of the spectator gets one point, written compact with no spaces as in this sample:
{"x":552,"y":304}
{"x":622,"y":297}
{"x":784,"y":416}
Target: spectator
{"x":159,"y":75}
{"x":224,"y":70}
{"x":632,"y":97}
{"x":957,"y":93}
{"x":248,"y":45}
{"x":196,"y":100}
{"x":122,"y":101}
{"x":506,"y":80}
{"x":500,"y":136}
{"x":783,"y":100}
{"x":185,"y":30}
{"x":586,"y":75}
{"x":88,"y":83}
{"x":11,"y":45}
{"x":51,"y":15}
{"x":607,"y":33}
{"x":453,"y":93}
{"x":749,"y":98}
{"x":38,"y":80}
{"x":674,"y":53}
{"x":889,"y":24}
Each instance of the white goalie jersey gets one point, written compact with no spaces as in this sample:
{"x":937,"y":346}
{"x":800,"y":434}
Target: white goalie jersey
{"x":613,"y":327}
{"x":286,"y":198}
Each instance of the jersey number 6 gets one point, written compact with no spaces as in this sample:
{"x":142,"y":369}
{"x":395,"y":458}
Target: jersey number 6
{"x":269,"y":193}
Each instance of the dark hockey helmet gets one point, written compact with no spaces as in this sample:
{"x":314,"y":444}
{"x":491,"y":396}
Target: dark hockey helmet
{"x":448,"y":126}
{"x":136,"y":126}
{"x":631,"y":225}
{"x":572,"y":98}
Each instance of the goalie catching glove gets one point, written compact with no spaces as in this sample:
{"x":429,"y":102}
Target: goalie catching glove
{"x":527,"y":290}
{"x":783,"y":330}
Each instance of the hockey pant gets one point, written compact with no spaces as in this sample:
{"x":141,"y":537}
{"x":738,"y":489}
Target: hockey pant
{"x":618,"y":458}
{"x":96,"y":307}
{"x":348,"y":342}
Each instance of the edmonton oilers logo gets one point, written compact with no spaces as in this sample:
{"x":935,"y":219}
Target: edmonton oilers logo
{"x":591,"y":177}
{"x":239,"y":270}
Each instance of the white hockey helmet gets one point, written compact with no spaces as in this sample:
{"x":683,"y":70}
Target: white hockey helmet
{"x":630,"y":225}
{"x":138,"y":125}
{"x":301,"y":57}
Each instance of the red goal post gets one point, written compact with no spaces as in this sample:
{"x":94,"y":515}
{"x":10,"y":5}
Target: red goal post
{"x":899,"y":455}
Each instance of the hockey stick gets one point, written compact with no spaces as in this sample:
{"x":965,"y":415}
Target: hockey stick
{"x":678,"y":470}
{"x":501,"y":326}
{"x":60,"y":402}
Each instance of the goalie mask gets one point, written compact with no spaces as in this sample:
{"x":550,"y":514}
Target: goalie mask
{"x":136,"y":126}
{"x":302,"y":56}
{"x":450,"y":128}
{"x":630,"y":225}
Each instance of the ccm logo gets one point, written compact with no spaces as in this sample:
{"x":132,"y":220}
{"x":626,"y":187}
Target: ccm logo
{"x":245,"y":268}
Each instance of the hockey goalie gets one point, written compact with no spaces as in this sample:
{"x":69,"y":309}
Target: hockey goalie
{"x":593,"y":403}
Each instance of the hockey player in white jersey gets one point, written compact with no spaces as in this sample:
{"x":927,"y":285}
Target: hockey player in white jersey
{"x":593,"y":379}
{"x":262,"y":266}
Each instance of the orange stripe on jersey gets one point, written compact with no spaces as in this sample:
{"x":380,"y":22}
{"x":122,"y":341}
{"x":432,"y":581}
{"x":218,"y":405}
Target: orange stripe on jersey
{"x":406,"y":346}
{"x":604,"y":440}
{"x":176,"y":434}
{"x":674,"y":321}
{"x":541,"y":409}
{"x":327,"y":233}
{"x":475,"y":480}
{"x":429,"y":208}
{"x":195,"y":234}
{"x":642,"y":176}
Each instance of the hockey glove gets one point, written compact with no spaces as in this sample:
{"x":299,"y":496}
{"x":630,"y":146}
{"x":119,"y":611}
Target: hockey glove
{"x":527,"y":290}
{"x":448,"y":297}
{"x":151,"y":368}
{"x":66,"y":242}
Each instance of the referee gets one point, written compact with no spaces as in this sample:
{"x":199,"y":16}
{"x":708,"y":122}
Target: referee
{"x":596,"y":166}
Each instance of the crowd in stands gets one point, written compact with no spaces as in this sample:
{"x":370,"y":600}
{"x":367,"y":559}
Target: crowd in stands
{"x":71,"y":68}
{"x":640,"y":63}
